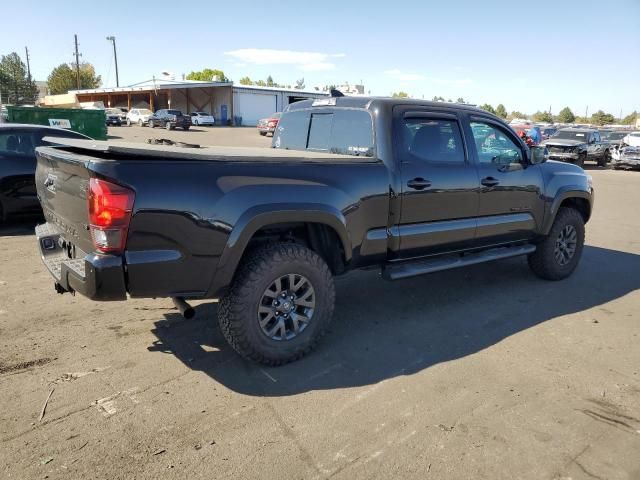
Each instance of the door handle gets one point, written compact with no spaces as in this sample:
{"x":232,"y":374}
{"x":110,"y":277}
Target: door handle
{"x":490,"y":181}
{"x":418,"y":183}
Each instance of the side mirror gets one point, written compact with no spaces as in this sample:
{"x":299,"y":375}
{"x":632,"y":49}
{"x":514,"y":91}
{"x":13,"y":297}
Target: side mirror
{"x":539,"y":154}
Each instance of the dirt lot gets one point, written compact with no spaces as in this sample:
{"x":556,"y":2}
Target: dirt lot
{"x":485,"y":372}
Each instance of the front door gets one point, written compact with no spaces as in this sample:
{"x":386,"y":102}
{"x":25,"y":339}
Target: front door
{"x":511,"y":189}
{"x":439,"y":184}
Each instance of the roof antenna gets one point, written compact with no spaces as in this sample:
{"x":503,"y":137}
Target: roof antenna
{"x":336,"y":93}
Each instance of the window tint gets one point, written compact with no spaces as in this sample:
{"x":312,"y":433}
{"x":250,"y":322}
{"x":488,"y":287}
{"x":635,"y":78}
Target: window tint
{"x":347,"y":132}
{"x":293,"y":130}
{"x":494,"y":145}
{"x":352,"y":133}
{"x":320,"y":131}
{"x":16,"y":143}
{"x":432,"y":140}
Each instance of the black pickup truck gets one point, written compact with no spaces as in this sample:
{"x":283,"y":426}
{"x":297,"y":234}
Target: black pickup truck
{"x":577,"y":145}
{"x":411,"y":187}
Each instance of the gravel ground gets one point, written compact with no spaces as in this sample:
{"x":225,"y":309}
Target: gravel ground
{"x":486,"y":372}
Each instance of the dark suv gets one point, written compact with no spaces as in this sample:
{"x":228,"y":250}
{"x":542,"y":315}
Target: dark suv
{"x":169,"y":119}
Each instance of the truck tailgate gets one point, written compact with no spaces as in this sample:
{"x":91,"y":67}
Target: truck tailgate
{"x":62,"y":182}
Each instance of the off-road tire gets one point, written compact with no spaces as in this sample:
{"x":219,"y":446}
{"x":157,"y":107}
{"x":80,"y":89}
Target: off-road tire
{"x":543,"y":261}
{"x":167,"y":125}
{"x":150,"y":124}
{"x":238,"y":309}
{"x":581,"y":159}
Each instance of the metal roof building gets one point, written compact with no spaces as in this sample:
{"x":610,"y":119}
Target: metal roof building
{"x":241,"y":104}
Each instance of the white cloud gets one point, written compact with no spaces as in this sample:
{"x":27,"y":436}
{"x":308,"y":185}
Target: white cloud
{"x":308,"y":61}
{"x":404,"y":76}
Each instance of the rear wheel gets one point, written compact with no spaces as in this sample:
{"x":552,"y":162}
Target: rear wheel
{"x":167,"y":125}
{"x":140,"y":123}
{"x":264,"y":134}
{"x":186,"y":127}
{"x":128,"y":122}
{"x":558,"y":255}
{"x":279,"y":304}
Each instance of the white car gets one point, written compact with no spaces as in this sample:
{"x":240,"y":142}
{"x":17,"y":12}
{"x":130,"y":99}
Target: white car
{"x":139,"y":116}
{"x":633,"y":139}
{"x":202,"y":118}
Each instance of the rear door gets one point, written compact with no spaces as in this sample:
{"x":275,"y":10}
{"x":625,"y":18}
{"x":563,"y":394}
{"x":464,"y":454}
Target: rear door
{"x":439,"y":182}
{"x":511,"y":190}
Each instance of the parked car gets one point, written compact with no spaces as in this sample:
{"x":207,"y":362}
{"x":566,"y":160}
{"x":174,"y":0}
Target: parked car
{"x":169,"y":119}
{"x":632,"y":139}
{"x":578,"y":145}
{"x":266,"y":230}
{"x":269,"y":124}
{"x":548,"y":132}
{"x":18,"y":166}
{"x":613,"y":136}
{"x":139,"y":116}
{"x":626,"y":158}
{"x":113,"y":117}
{"x":202,"y":118}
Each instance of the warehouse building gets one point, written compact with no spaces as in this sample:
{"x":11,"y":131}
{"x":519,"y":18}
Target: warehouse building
{"x":228,"y":103}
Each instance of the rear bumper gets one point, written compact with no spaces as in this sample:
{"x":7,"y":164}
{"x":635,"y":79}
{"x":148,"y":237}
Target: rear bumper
{"x":95,"y":276}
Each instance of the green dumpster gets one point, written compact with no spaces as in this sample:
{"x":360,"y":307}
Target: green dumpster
{"x":88,"y":122}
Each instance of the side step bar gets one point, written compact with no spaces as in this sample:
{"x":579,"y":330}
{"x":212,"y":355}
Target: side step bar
{"x":431,"y":265}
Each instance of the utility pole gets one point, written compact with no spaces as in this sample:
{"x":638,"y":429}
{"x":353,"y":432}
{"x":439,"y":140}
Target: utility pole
{"x":112,"y":39}
{"x":77,"y":55}
{"x":26,"y":51}
{"x":586,"y":112}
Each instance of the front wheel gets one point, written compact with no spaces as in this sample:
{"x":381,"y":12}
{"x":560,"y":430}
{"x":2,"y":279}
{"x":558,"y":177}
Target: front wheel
{"x":140,"y":123}
{"x":128,"y":122}
{"x":279,"y":304}
{"x":150,"y":124}
{"x":185,"y":128}
{"x":606,"y":158}
{"x":558,"y":255}
{"x":167,"y":125}
{"x":581,"y":159}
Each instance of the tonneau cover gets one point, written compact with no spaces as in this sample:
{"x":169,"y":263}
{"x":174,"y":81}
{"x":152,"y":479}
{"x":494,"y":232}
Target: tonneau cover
{"x":219,"y":153}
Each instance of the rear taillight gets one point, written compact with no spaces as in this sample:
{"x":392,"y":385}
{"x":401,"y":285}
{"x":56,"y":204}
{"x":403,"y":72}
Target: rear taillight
{"x":110,"y":208}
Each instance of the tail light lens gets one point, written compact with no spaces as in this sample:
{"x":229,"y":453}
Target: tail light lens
{"x":110,"y":207}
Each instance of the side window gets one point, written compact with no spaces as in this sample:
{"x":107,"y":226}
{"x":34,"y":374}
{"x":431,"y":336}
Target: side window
{"x":596,"y":136}
{"x":432,"y":140}
{"x":494,"y":145}
{"x":320,"y":131}
{"x":16,"y":143}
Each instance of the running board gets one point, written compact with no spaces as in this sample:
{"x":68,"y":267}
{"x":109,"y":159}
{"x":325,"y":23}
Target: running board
{"x":420,"y":267}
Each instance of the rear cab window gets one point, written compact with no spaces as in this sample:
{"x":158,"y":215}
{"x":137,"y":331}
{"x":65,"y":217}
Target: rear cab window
{"x":342,"y":131}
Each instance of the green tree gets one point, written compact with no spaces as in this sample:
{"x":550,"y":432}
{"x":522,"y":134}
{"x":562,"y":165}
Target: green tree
{"x":260,"y":83}
{"x":460,"y":100}
{"x":208,"y":75}
{"x":437,"y":99}
{"x":517,"y":114}
{"x":630,"y":119}
{"x":300,"y":84}
{"x":566,"y":116}
{"x":400,"y":95}
{"x":501,"y":111}
{"x":542,"y":117}
{"x":270,"y":81}
{"x":15,"y":86}
{"x":488,"y":108}
{"x":246,"y":81}
{"x":63,"y":78}
{"x":601,"y":118}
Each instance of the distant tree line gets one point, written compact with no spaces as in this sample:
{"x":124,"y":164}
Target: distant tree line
{"x":269,"y":82}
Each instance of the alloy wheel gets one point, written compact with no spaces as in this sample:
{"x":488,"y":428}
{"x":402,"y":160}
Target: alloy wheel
{"x":566,"y":245}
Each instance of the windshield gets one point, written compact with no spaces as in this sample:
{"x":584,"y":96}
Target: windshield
{"x":113,"y":111}
{"x":615,"y":135}
{"x":571,"y":134}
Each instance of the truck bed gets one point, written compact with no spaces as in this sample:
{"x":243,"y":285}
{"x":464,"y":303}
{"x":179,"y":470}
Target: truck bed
{"x":136,"y":151}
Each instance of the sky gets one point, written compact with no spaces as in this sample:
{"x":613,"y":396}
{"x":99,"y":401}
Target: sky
{"x":527,"y":55}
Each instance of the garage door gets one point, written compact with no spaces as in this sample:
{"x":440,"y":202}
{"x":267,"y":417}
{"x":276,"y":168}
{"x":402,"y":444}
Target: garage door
{"x":253,"y":106}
